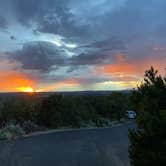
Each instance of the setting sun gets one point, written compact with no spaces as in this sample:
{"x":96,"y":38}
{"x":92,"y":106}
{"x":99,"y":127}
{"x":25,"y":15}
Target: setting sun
{"x":26,"y":89}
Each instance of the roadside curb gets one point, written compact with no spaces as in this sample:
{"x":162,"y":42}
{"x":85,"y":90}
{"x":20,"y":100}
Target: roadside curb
{"x":38,"y":133}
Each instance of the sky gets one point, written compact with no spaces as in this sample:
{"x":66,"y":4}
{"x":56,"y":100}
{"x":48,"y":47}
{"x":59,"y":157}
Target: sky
{"x":74,"y":45}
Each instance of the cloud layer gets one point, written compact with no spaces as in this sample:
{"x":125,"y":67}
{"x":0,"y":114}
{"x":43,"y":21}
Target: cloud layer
{"x":99,"y":44}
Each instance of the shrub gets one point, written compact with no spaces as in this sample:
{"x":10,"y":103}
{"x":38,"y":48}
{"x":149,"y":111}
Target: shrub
{"x":11,"y":131}
{"x":29,"y":127}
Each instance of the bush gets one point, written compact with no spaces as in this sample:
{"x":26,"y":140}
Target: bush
{"x":11,"y":131}
{"x":29,"y":127}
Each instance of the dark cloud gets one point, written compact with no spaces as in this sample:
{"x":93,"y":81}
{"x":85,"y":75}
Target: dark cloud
{"x":3,"y":23}
{"x":138,"y":18}
{"x":100,"y":52}
{"x":30,"y":10}
{"x":27,"y":11}
{"x":59,"y":21}
{"x":38,"y":56}
{"x":81,"y":21}
{"x":109,"y":44}
{"x":45,"y":56}
{"x":90,"y":59}
{"x":75,"y":19}
{"x":51,"y":16}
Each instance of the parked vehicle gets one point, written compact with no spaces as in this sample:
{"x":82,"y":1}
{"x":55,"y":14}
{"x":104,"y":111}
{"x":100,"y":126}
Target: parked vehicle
{"x":131,"y":114}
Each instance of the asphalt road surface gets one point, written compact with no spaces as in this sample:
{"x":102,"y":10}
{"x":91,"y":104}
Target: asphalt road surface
{"x":95,"y":147}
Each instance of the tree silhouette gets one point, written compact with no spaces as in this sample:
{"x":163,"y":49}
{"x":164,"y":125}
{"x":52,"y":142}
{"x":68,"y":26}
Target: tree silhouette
{"x":148,"y":140}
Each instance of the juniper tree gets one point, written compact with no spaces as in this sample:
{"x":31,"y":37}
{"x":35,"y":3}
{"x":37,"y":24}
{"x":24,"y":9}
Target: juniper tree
{"x":148,"y":140}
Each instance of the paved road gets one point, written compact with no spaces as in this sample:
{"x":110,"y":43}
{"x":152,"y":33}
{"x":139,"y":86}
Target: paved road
{"x":96,"y":147}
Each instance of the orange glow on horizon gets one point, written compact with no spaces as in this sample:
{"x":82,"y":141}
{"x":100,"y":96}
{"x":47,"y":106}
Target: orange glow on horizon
{"x":15,"y":81}
{"x":11,"y":81}
{"x":129,"y":74}
{"x":136,"y":68}
{"x":26,"y":89}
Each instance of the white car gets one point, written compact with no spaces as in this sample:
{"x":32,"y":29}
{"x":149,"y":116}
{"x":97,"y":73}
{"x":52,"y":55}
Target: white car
{"x":131,"y":114}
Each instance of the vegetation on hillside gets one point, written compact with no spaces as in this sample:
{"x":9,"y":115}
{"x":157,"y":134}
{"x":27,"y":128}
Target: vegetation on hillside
{"x":31,"y":112}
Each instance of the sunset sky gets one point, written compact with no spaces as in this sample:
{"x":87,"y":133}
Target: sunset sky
{"x":68,"y":45}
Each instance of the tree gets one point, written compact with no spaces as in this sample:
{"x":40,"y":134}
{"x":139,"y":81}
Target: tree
{"x":118,"y":104}
{"x":50,"y":111}
{"x":148,"y":140}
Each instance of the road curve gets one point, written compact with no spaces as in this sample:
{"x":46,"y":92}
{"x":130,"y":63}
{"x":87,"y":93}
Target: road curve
{"x":96,"y":147}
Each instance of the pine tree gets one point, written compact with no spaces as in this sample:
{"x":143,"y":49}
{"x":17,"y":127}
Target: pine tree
{"x":148,"y":140}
